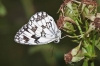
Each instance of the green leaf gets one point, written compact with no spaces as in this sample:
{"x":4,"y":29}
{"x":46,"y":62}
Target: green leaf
{"x":97,"y":44}
{"x":3,"y":11}
{"x":68,"y":27}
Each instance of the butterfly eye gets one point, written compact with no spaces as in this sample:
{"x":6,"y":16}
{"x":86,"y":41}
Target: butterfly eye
{"x":56,"y":41}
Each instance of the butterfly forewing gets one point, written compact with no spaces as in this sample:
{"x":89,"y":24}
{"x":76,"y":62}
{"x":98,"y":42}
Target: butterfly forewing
{"x":41,"y":29}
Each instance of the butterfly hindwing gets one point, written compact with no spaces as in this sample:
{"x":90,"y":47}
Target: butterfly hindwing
{"x":41,"y":29}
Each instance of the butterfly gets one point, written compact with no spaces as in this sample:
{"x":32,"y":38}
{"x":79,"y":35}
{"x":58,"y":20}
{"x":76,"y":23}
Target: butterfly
{"x":41,"y":29}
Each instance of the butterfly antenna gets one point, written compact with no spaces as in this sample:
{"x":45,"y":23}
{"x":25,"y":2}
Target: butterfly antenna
{"x":52,"y":51}
{"x":51,"y":48}
{"x":63,"y":36}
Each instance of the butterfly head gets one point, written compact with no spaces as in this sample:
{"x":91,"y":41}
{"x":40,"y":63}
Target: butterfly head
{"x":58,"y":37}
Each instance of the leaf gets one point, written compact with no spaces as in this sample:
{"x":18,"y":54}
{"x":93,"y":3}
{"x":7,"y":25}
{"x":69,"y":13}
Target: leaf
{"x":3,"y":11}
{"x":97,"y":44}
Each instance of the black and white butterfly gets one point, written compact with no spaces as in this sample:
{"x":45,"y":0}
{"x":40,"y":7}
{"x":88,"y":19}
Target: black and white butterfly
{"x":41,"y":29}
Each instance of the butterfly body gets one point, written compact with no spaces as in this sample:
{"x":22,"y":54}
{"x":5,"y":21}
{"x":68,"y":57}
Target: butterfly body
{"x":41,"y":29}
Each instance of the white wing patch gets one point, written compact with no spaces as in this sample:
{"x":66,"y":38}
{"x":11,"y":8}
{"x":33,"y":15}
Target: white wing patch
{"x":41,"y":29}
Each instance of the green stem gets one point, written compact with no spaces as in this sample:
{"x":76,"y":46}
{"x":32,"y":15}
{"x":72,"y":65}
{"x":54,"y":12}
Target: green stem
{"x":79,"y":27}
{"x":92,"y":63}
{"x":85,"y":63}
{"x":93,"y":43}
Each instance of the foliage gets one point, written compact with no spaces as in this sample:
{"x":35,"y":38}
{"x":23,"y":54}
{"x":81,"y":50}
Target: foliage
{"x":80,"y":20}
{"x":2,"y":9}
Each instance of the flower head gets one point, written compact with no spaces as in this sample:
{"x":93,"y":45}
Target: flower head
{"x":95,"y":21}
{"x":75,"y":55}
{"x":89,"y":2}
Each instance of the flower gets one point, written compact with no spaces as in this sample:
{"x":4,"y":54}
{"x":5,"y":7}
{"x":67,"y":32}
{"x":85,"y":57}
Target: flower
{"x":88,"y":7}
{"x":95,"y":21}
{"x":89,"y":2}
{"x":60,"y":22}
{"x":66,"y":24}
{"x":75,"y":55}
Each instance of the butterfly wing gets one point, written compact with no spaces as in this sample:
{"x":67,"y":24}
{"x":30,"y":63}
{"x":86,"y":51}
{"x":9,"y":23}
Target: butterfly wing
{"x":41,"y":29}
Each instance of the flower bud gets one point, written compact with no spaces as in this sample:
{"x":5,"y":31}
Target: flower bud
{"x":75,"y":55}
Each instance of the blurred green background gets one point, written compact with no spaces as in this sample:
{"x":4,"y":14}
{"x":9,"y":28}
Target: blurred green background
{"x":13,"y":15}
